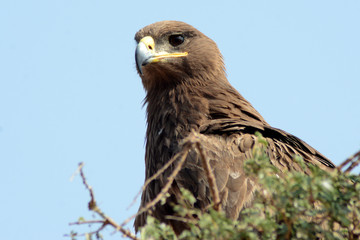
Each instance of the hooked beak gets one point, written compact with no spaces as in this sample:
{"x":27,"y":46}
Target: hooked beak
{"x":145,"y":53}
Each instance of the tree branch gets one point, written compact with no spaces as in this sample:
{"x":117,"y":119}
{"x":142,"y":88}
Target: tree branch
{"x":210,"y":176}
{"x":153,"y":177}
{"x":93,"y":207}
{"x":166,"y":188}
{"x":353,"y":160}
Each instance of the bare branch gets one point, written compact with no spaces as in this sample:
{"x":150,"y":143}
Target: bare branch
{"x":86,"y":222}
{"x":76,"y":172}
{"x":93,"y":207}
{"x":188,"y":144}
{"x":153,"y":177}
{"x":210,"y":176}
{"x":182,"y":219}
{"x":194,"y":139}
{"x":97,"y":232}
{"x":166,"y":188}
{"x":353,"y":160}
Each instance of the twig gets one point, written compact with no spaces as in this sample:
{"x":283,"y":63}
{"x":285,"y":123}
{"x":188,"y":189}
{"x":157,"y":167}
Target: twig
{"x":86,"y":222}
{"x":194,"y":139}
{"x":181,"y":219}
{"x":354,"y":160}
{"x":89,"y":233}
{"x":100,"y":228}
{"x":210,"y":176}
{"x":93,"y":207}
{"x":166,"y":188}
{"x":188,"y":143}
{"x":77,"y":171}
{"x":153,"y":177}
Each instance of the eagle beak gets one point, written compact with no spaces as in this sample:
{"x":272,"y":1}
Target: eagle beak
{"x":145,"y":53}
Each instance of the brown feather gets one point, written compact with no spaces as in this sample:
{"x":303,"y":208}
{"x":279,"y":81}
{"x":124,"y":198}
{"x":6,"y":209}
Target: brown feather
{"x":193,"y":93}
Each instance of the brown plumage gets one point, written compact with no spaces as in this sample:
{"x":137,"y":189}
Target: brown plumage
{"x":183,"y":74}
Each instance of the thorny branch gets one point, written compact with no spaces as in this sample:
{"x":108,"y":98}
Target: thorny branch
{"x":157,"y":174}
{"x":193,"y":140}
{"x":211,"y":178}
{"x":188,"y":144}
{"x":86,"y":222}
{"x":353,"y":160}
{"x":166,"y":188}
{"x":93,"y":207}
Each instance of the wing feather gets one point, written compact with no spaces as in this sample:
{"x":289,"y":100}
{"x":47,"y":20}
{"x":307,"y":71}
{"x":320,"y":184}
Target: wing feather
{"x":227,"y":144}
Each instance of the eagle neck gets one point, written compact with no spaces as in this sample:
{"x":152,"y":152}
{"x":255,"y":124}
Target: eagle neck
{"x":178,"y":108}
{"x":171,"y":114}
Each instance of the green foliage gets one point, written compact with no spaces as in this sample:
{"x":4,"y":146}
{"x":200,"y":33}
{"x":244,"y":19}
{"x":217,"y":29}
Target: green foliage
{"x":324,"y":205}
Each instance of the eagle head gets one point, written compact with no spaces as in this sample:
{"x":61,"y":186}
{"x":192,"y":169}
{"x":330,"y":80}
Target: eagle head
{"x":170,"y":52}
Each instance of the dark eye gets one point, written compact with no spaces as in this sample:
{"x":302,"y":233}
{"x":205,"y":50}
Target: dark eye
{"x":176,"y":40}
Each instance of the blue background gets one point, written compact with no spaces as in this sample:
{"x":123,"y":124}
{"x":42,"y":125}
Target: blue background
{"x":69,"y":92}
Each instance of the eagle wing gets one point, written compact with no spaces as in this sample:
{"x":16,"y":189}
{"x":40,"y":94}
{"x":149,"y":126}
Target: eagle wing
{"x":227,"y":143}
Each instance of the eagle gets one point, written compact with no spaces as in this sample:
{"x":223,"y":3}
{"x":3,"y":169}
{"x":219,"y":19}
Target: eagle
{"x":183,"y":74}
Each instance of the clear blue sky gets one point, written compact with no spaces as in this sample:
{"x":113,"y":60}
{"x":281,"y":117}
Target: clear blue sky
{"x":69,"y":92}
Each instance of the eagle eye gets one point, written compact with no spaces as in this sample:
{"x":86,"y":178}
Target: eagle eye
{"x":176,"y":40}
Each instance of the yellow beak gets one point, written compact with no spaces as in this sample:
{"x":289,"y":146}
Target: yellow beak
{"x":145,"y":53}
